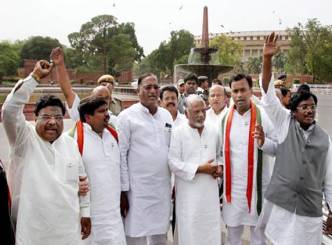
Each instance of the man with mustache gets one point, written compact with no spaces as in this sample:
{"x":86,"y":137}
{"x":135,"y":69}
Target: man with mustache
{"x":98,"y":145}
{"x":44,"y":170}
{"x":194,"y":158}
{"x":246,"y":172}
{"x":144,"y":137}
{"x":169,"y":101}
{"x":292,"y":211}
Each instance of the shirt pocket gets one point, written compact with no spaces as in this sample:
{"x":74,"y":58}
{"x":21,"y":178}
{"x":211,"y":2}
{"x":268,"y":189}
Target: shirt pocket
{"x":168,"y":134}
{"x":71,"y":171}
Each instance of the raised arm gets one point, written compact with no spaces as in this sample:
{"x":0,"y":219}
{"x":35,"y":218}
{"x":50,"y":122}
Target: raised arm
{"x":12,"y":110}
{"x":57,"y":56}
{"x":270,"y":48}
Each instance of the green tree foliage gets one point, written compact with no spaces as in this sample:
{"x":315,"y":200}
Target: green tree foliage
{"x":229,"y":51}
{"x":279,"y":61}
{"x":110,"y":44}
{"x":168,"y":54}
{"x":9,"y":58}
{"x":311,"y":50}
{"x":254,"y":65}
{"x":38,"y":47}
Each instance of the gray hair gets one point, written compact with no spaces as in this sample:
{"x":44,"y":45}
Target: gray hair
{"x":214,"y":86}
{"x":191,"y":99}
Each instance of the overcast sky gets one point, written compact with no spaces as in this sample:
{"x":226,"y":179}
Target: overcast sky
{"x":155,"y":19}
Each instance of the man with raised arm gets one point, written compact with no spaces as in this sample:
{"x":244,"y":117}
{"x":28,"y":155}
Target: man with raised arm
{"x":98,"y":145}
{"x":303,"y":167}
{"x":44,"y":169}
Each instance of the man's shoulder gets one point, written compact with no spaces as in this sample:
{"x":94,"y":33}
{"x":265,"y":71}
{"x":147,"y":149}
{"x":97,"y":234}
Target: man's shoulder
{"x":165,"y":114}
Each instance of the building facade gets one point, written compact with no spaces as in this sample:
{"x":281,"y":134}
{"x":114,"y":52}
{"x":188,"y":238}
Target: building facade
{"x":252,"y":41}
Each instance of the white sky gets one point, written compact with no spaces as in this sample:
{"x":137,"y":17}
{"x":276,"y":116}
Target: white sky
{"x":155,"y":19}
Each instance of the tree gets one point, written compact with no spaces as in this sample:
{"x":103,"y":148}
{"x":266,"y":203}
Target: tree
{"x":38,"y":47}
{"x":168,"y":54}
{"x":229,"y":51}
{"x":311,"y":50}
{"x":254,"y":65}
{"x":102,"y":38}
{"x":279,"y":61}
{"x":9,"y":58}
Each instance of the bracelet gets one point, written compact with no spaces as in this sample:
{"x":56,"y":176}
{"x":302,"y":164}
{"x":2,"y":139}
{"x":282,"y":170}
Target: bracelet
{"x":35,"y":76}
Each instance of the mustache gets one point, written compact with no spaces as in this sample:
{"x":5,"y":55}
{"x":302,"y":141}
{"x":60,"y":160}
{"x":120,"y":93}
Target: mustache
{"x":171,"y":103}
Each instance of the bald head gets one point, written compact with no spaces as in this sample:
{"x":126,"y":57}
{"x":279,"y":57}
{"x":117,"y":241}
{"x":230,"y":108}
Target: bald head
{"x":217,"y":98}
{"x":103,"y":92}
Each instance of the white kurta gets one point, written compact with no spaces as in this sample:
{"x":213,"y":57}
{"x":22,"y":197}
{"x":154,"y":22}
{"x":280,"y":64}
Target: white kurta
{"x":144,"y":143}
{"x":75,"y":115}
{"x":237,"y":212}
{"x":101,"y":158}
{"x":284,"y":227}
{"x":179,"y":120}
{"x":43,"y":178}
{"x":215,"y":119}
{"x":198,"y":218}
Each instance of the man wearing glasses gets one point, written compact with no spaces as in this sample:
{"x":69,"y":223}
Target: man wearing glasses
{"x":302,"y":173}
{"x":44,"y":169}
{"x":144,"y":139}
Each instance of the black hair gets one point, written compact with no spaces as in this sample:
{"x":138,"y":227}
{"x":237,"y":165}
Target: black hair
{"x":192,"y":77}
{"x":89,"y":105}
{"x":284,"y":91}
{"x":142,"y":77}
{"x":169,"y":88}
{"x":49,"y":100}
{"x":239,"y":77}
{"x":303,"y":87}
{"x":297,"y":98}
{"x":282,"y":76}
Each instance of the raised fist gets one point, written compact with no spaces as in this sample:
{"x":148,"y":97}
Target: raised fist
{"x":42,"y":69}
{"x":57,"y":56}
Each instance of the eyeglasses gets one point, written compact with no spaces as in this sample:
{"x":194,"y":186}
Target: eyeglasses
{"x":47,"y":117}
{"x":149,"y":87}
{"x":307,"y":107}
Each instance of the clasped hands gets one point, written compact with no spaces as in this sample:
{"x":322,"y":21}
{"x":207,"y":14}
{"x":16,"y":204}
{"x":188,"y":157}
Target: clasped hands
{"x":210,"y":168}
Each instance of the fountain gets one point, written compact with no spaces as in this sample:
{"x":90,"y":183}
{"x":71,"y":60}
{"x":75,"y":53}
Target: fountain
{"x":202,"y":61}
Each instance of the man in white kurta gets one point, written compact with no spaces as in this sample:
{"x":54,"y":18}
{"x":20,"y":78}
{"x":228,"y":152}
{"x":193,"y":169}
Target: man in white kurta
{"x":43,"y":175}
{"x":218,"y":109}
{"x":193,"y":158}
{"x":284,"y":227}
{"x":238,"y":211}
{"x":144,"y":138}
{"x":101,"y":158}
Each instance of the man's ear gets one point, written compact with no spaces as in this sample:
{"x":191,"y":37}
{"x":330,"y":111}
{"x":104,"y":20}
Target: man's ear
{"x":87,"y":118}
{"x":186,"y":113}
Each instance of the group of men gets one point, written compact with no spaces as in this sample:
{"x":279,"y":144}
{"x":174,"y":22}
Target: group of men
{"x":108,"y":180}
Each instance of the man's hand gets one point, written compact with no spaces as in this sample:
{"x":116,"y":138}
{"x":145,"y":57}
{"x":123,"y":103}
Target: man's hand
{"x":57,"y":56}
{"x":83,"y":186}
{"x":327,"y":225}
{"x":219,"y":172}
{"x":259,"y":135}
{"x":208,"y":168}
{"x":85,"y":227}
{"x":42,"y":69}
{"x":270,"y":46}
{"x":124,"y":204}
